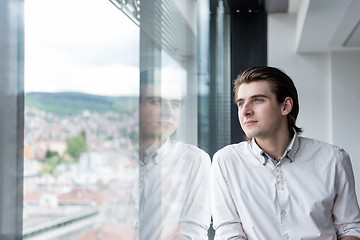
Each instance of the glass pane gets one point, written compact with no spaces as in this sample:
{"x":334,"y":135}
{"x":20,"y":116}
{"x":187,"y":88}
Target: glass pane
{"x":111,"y":121}
{"x":81,"y":120}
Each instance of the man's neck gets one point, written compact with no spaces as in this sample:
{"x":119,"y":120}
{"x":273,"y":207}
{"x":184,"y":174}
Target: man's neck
{"x":276,"y":145}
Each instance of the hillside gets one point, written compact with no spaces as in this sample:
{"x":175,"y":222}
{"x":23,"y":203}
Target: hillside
{"x":70,"y":103}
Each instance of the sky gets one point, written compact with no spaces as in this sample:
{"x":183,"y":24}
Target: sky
{"x":88,"y":46}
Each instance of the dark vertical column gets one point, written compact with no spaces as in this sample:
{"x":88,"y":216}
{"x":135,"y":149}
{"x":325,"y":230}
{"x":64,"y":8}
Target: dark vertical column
{"x":248,"y":49}
{"x":219,"y":93}
{"x":212,"y":137}
{"x":11,"y":118}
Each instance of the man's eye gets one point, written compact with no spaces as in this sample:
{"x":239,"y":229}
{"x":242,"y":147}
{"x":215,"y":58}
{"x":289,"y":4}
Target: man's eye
{"x":155,"y":101}
{"x":257,"y":100}
{"x":176,"y":104}
{"x":240,"y":104}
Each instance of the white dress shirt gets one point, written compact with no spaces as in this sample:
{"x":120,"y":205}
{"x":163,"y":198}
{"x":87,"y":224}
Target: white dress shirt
{"x":174,"y":193}
{"x":308,"y":194}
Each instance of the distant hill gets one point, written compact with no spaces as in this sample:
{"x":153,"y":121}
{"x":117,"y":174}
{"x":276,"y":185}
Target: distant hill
{"x":70,"y":103}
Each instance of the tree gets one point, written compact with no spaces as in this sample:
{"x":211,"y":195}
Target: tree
{"x":76,"y":145}
{"x":50,"y":163}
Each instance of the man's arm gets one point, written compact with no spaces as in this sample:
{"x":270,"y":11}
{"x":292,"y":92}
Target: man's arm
{"x":346,"y":212}
{"x":226,"y":221}
{"x":196,"y":214}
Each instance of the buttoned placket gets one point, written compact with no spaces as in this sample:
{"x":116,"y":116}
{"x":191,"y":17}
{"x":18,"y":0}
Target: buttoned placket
{"x":149,"y":207}
{"x":282,"y":192}
{"x":144,"y":182}
{"x":282,"y":196}
{"x":141,"y":186}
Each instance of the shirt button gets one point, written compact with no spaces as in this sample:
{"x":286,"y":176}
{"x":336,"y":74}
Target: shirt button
{"x":283,"y":212}
{"x":286,"y":236}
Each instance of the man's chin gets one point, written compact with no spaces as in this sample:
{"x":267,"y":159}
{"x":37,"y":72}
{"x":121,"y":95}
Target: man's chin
{"x":250,"y":135}
{"x":166,"y":134}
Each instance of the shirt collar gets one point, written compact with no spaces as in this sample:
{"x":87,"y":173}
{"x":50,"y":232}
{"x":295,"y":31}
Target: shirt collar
{"x":258,"y":152}
{"x":289,"y":152}
{"x":153,"y":153}
{"x":293,"y":146}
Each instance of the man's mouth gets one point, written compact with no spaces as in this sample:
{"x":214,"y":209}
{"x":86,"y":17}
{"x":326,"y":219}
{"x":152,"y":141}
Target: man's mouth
{"x":166,"y":123}
{"x":250,"y":122}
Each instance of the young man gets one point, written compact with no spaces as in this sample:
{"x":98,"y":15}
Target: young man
{"x":278,"y":185}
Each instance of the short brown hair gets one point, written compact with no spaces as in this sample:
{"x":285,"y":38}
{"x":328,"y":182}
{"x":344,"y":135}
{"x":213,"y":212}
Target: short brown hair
{"x":281,"y":85}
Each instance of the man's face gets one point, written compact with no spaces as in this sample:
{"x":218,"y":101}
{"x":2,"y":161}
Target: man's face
{"x":159,"y":114}
{"x":260,"y":115}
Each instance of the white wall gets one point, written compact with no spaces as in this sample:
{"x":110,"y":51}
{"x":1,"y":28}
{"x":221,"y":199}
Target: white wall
{"x":328,"y":85}
{"x":345,"y":71}
{"x":309,"y":71}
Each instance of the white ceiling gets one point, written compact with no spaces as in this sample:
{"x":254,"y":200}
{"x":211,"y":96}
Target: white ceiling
{"x":328,"y":25}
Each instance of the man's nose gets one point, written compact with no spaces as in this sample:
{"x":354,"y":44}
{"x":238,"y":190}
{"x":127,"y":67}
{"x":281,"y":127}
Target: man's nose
{"x":246,"y":109}
{"x":166,"y":106}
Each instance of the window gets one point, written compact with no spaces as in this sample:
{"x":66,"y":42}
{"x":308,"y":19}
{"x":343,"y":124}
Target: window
{"x":72,"y":151}
{"x":86,"y":65}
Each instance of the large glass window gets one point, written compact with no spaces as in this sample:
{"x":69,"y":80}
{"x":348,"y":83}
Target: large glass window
{"x":111,"y":121}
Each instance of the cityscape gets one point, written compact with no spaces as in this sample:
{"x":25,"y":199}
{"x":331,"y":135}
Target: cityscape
{"x":80,"y":174}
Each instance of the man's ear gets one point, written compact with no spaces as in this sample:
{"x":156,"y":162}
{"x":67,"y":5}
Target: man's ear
{"x":287,"y":106}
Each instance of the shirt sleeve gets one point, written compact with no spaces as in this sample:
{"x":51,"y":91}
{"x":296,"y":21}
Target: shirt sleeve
{"x":196,"y":215}
{"x":226,"y":220}
{"x":346,"y":213}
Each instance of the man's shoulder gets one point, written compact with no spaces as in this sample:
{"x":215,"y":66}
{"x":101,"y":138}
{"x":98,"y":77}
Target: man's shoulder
{"x":229,"y":150}
{"x":320,"y":147}
{"x":306,"y":142}
{"x":188,"y":149}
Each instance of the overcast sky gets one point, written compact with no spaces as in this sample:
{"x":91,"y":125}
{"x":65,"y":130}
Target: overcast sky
{"x":80,"y":45}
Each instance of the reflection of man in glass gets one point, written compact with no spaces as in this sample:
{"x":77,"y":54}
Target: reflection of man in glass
{"x":174,"y":176}
{"x":159,"y":116}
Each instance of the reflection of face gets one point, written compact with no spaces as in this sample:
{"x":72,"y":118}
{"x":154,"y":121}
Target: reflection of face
{"x":259,"y":112}
{"x":159,"y":117}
